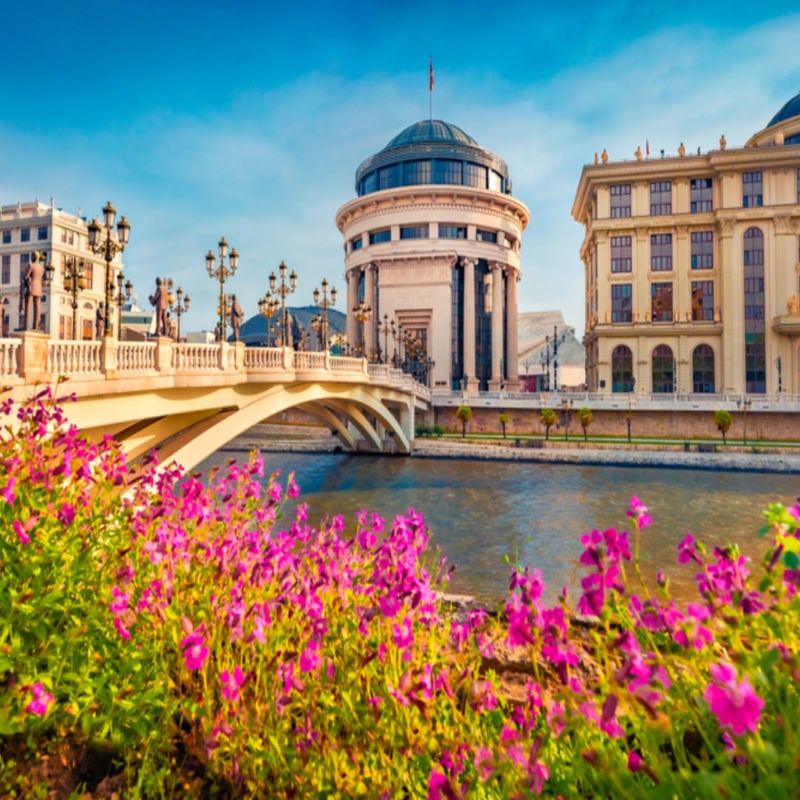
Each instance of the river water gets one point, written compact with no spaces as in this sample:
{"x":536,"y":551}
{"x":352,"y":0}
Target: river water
{"x":481,"y":512}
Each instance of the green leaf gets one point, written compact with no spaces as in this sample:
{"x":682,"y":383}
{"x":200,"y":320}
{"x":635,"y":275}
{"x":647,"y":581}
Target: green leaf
{"x":791,"y":559}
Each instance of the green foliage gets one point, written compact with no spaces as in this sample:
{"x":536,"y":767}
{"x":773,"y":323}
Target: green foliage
{"x":464,"y":413}
{"x":548,"y":418}
{"x":723,"y":420}
{"x":503,"y":418}
{"x":585,"y":416}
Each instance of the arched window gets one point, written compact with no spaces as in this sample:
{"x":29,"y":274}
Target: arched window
{"x":755,"y":361}
{"x":663,"y":370}
{"x":622,"y":369}
{"x":703,"y":369}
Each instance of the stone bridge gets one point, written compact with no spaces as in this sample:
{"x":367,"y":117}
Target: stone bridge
{"x":185,"y":401}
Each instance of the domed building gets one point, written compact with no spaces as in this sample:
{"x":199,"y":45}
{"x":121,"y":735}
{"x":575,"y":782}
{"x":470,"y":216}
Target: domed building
{"x":692,"y":267}
{"x":432,"y":258}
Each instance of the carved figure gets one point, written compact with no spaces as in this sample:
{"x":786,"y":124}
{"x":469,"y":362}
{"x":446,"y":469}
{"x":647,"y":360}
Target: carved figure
{"x":237,"y":315}
{"x":160,"y":301}
{"x":33,"y":280}
{"x":604,"y":156}
{"x":638,"y":153}
{"x":792,"y":305}
{"x":99,"y":321}
{"x":596,"y":158}
{"x":723,"y":142}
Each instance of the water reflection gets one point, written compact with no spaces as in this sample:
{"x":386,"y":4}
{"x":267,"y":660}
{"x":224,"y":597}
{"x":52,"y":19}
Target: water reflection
{"x":480,"y":512}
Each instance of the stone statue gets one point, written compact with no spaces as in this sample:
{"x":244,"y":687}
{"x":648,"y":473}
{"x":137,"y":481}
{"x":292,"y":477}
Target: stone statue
{"x":99,"y":321}
{"x":681,"y":150}
{"x":723,"y":142}
{"x":604,"y":156}
{"x":160,"y":301}
{"x":596,"y":159}
{"x":638,"y":154}
{"x":237,"y":315}
{"x":33,"y":281}
{"x":792,"y":305}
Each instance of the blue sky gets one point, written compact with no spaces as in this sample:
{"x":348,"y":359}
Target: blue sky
{"x":249,"y":119}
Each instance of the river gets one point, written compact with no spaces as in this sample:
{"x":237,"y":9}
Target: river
{"x":482,"y":511}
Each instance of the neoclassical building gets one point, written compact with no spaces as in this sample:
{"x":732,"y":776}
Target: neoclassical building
{"x":63,"y":241}
{"x":692,"y":267}
{"x":432,"y":246}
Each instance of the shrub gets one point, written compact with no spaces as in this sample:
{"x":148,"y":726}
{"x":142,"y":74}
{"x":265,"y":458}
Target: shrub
{"x":585,"y":416}
{"x":723,"y":420}
{"x":464,"y":413}
{"x":548,"y":419}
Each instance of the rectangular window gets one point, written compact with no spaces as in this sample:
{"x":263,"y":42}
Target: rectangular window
{"x":452,"y":232}
{"x":700,"y":199}
{"x":752,"y":190}
{"x":88,"y":274}
{"x":486,"y":236}
{"x":6,"y":237}
{"x":702,"y":250}
{"x":415,"y":232}
{"x":661,"y":302}
{"x":446,"y":171}
{"x":25,"y":235}
{"x":475,"y":175}
{"x":6,"y":274}
{"x":661,"y":252}
{"x":416,"y":172}
{"x":703,"y":301}
{"x":621,"y":302}
{"x":356,"y":244}
{"x":389,"y":177}
{"x":621,"y":200}
{"x":376,"y":237}
{"x":41,"y":233}
{"x":660,"y":198}
{"x":621,"y":254}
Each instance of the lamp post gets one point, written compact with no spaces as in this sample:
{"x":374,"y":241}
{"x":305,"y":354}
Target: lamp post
{"x":74,"y":283}
{"x":221,"y":273}
{"x":363,"y":314}
{"x":324,"y":304}
{"x":124,"y":290}
{"x":180,"y":305}
{"x":283,"y":290}
{"x":386,"y":330}
{"x":268,"y":306}
{"x":106,"y":243}
{"x":555,"y":358}
{"x":779,"y":365}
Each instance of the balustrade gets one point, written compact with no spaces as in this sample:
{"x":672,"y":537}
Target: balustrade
{"x":75,"y":358}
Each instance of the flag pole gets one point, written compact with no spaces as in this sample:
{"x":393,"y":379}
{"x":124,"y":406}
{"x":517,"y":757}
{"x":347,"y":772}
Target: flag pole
{"x":430,"y":89}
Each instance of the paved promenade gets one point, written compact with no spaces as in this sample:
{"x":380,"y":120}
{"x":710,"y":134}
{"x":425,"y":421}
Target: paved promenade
{"x":296,"y":439}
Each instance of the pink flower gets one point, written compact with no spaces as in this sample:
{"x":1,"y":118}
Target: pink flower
{"x":8,"y":492}
{"x":194,"y":651}
{"x":41,"y":700}
{"x":22,"y":534}
{"x":231,"y":683}
{"x":639,"y":513}
{"x":735,"y":704}
{"x":121,"y":629}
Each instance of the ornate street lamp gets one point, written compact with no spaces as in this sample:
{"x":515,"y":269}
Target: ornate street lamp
{"x":124,"y":291}
{"x":269,"y":307}
{"x":363,"y":314}
{"x":74,"y":283}
{"x":283,"y":290}
{"x":324,"y":305}
{"x":221,"y":273}
{"x":106,"y":243}
{"x":180,"y":305}
{"x":566,"y":409}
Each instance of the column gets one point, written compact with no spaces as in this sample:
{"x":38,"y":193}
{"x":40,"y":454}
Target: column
{"x":731,"y":299}
{"x":497,"y":327}
{"x":469,"y":324}
{"x":351,"y":323}
{"x":512,"y":330}
{"x":369,"y":299}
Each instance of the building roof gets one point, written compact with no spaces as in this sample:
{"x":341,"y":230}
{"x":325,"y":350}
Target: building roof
{"x":789,"y":110}
{"x":430,"y":130}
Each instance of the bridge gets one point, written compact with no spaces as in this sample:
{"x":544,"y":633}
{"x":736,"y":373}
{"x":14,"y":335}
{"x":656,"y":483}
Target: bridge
{"x":185,"y":401}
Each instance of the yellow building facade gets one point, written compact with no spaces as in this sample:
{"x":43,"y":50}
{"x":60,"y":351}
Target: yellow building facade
{"x":692,"y":267}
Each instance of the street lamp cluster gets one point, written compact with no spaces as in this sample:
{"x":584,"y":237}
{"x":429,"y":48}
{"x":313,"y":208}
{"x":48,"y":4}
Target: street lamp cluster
{"x":222,"y":273}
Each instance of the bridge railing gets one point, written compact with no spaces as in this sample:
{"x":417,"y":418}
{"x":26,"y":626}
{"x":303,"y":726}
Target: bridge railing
{"x":9,"y":358}
{"x":75,"y":358}
{"x":136,"y":356}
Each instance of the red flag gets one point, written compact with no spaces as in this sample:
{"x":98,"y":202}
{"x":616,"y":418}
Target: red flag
{"x":431,"y":75}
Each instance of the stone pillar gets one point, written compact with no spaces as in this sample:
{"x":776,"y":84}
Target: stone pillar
{"x":33,"y":356}
{"x":497,"y":327}
{"x":351,"y":324}
{"x":469,"y":325}
{"x":369,"y":298}
{"x":732,"y":293}
{"x":512,"y":331}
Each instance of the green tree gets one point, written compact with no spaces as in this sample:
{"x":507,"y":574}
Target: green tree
{"x":548,"y":419}
{"x":464,"y":413}
{"x":585,"y":416}
{"x":503,"y":421}
{"x":723,"y":420}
